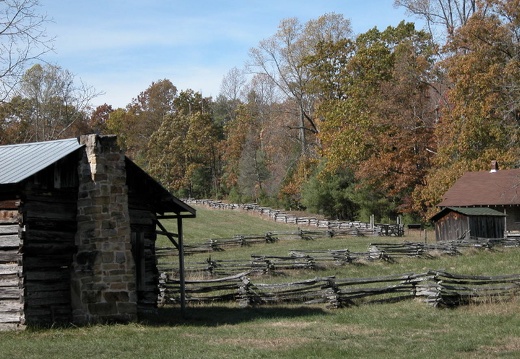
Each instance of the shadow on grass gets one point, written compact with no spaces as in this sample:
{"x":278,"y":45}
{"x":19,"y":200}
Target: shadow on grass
{"x":219,"y":315}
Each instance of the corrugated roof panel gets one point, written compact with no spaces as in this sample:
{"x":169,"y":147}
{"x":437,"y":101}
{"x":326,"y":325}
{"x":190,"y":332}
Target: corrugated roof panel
{"x":17,"y":162}
{"x":477,"y":211}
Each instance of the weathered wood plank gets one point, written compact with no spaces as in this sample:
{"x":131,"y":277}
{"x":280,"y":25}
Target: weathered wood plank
{"x":10,"y":241}
{"x":10,"y":317}
{"x":9,"y":256}
{"x":47,"y":275}
{"x":10,"y":293}
{"x":49,"y":235}
{"x":6,"y":269}
{"x":9,"y":281}
{"x":11,"y":306}
{"x":9,"y":228}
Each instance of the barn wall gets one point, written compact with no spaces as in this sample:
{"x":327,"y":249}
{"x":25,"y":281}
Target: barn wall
{"x":487,"y":226}
{"x":452,"y":226}
{"x":11,"y":280}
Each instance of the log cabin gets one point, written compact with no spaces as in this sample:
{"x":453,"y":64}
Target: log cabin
{"x":78,"y":225}
{"x":482,"y":204}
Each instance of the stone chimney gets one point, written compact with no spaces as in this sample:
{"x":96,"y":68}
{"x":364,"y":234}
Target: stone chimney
{"x":103,"y":279}
{"x":494,"y":166}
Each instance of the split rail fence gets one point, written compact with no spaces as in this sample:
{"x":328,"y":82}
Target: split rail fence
{"x":317,"y":259}
{"x":437,"y":288}
{"x":356,"y":227}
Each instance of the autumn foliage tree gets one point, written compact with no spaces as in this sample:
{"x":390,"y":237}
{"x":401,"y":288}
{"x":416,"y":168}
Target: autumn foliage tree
{"x":183,"y":152}
{"x":481,"y":121}
{"x":377,"y":117}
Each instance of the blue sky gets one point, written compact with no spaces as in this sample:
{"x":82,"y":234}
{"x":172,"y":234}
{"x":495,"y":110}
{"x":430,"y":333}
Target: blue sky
{"x":121,"y":46}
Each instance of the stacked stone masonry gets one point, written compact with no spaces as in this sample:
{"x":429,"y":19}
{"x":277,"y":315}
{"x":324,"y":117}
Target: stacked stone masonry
{"x":104,"y":282}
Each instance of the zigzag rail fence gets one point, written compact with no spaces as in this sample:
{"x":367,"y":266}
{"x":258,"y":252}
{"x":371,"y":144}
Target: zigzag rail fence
{"x":356,"y":227}
{"x":437,"y":288}
{"x":316,"y":259}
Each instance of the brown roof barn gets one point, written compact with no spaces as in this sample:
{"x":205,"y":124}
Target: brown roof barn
{"x":77,"y":233}
{"x":497,"y":190}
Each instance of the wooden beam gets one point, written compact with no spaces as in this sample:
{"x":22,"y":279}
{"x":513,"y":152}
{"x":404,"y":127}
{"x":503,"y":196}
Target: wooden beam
{"x":181,"y":268}
{"x":166,"y":233}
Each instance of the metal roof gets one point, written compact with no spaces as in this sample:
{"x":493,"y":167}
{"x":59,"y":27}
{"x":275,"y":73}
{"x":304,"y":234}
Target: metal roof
{"x":477,"y":211}
{"x":469,"y":211}
{"x":18,"y":162}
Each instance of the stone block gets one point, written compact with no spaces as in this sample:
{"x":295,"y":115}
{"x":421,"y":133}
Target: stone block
{"x":129,"y":308}
{"x":104,"y":309}
{"x":120,"y":296}
{"x":107,"y":257}
{"x":121,"y":257}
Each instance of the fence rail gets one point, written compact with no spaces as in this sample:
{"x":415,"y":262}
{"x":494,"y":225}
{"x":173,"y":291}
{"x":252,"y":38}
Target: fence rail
{"x":309,"y":259}
{"x":437,"y":288}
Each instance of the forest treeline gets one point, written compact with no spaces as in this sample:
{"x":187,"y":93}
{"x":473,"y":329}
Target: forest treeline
{"x":319,"y":118}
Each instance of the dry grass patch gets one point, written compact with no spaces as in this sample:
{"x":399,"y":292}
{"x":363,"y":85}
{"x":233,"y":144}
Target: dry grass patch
{"x":506,"y":345}
{"x":278,"y":343}
{"x":331,"y":328}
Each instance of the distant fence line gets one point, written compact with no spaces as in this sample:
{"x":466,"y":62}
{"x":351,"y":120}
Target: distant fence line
{"x":304,"y":259}
{"x":242,"y":240}
{"x":312,"y":259}
{"x":437,"y":288}
{"x":362,"y":228}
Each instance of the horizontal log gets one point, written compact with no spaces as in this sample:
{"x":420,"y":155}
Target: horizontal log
{"x":58,"y":275}
{"x":49,"y":235}
{"x":7,"y":269}
{"x":10,"y":256}
{"x":9,"y":281}
{"x":10,"y":317}
{"x":9,"y":228}
{"x":11,"y":306}
{"x":9,"y":241}
{"x":10,"y":293}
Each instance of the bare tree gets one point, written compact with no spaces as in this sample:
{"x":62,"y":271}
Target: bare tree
{"x":442,"y":16}
{"x":58,"y":101}
{"x":23,"y":38}
{"x":232,"y":84}
{"x":280,"y":58}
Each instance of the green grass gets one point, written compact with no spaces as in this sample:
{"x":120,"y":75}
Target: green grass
{"x":401,"y":330}
{"x":409,"y":329}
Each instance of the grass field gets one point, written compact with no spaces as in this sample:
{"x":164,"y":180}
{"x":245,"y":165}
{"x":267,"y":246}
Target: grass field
{"x":409,"y":329}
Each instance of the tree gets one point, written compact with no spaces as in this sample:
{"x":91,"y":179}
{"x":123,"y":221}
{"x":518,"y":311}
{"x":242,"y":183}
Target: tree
{"x":331,"y":194}
{"x":14,"y":121}
{"x":280,"y":58}
{"x":377,"y":116}
{"x":56,"y":105}
{"x":23,"y":39}
{"x":481,"y":121}
{"x":99,"y":118}
{"x":183,"y":152}
{"x":448,"y":14}
{"x":144,"y":115}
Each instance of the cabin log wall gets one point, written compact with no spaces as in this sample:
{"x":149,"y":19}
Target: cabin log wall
{"x":49,"y":222}
{"x":11,"y":280}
